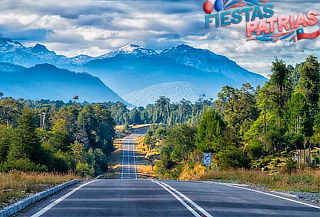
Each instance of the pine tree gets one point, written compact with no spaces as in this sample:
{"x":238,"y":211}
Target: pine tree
{"x":26,"y":144}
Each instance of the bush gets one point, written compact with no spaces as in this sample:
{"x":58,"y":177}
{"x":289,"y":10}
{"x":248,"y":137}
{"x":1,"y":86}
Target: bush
{"x":255,"y":150}
{"x":83,"y":169}
{"x":233,"y":157}
{"x":22,"y":164}
{"x":290,"y":166}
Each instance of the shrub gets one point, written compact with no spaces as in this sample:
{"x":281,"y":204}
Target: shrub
{"x":233,"y":157}
{"x":22,"y":164}
{"x":83,"y":169}
{"x":255,"y":150}
{"x":290,"y":166}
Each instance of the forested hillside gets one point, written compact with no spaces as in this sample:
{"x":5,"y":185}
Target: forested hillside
{"x":43,"y":136}
{"x":250,"y":128}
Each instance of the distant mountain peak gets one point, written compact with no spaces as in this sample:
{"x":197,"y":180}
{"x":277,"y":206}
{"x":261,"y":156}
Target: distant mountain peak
{"x":130,"y":49}
{"x":9,"y":45}
{"x":45,"y":66}
{"x":81,"y":59}
{"x":39,"y":48}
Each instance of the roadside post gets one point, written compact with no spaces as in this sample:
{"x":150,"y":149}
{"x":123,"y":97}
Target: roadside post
{"x":207,"y":160}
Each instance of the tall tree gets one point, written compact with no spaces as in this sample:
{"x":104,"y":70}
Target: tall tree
{"x":182,"y":138}
{"x":9,"y":111}
{"x":239,"y":109}
{"x":211,"y":129}
{"x":26,"y":144}
{"x":309,"y":83}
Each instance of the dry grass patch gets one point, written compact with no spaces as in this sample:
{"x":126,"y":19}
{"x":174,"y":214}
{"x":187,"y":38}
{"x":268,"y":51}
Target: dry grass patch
{"x":16,"y":185}
{"x":114,"y":161}
{"x":140,"y":126}
{"x":307,"y":180}
{"x":145,"y":167}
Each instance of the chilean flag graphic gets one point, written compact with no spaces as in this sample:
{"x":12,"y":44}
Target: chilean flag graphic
{"x":301,"y":35}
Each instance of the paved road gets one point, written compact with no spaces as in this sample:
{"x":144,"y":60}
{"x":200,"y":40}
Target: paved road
{"x":129,"y":196}
{"x":128,"y":158}
{"x":146,"y":198}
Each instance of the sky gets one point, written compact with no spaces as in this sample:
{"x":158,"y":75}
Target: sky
{"x":95,"y":27}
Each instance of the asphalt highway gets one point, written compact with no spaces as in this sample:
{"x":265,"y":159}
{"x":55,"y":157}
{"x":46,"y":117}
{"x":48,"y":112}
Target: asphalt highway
{"x":130,"y":196}
{"x":128,"y":158}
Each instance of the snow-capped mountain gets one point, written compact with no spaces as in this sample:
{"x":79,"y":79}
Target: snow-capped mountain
{"x":81,"y":59}
{"x":208,"y":61}
{"x":133,"y":69}
{"x":14,"y":52}
{"x":127,"y":73}
{"x":131,"y":49}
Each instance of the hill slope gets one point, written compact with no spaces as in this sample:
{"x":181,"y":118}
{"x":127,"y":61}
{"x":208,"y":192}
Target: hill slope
{"x":175,"y":91}
{"x":49,"y":82}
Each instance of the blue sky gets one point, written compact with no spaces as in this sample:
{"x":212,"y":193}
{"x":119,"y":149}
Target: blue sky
{"x":74,"y":27}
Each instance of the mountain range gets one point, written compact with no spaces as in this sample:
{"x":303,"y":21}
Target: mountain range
{"x":132,"y":71}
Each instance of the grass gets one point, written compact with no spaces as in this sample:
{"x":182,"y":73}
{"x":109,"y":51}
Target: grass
{"x":114,"y":161}
{"x":16,"y":185}
{"x":145,"y":168}
{"x":307,"y":180}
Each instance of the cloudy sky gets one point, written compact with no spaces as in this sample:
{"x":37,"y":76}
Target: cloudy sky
{"x":94,"y":27}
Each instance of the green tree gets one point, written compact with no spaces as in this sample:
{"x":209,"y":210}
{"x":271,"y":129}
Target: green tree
{"x":5,"y":142}
{"x":309,"y":82}
{"x":60,"y":136}
{"x":211,"y":129}
{"x":9,"y":111}
{"x":239,"y":109}
{"x":26,"y":144}
{"x":182,"y":138}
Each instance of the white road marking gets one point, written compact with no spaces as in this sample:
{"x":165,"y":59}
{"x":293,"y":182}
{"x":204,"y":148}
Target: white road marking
{"x":122,"y":162}
{"x":178,"y":198}
{"x":261,"y":192}
{"x":189,"y":200}
{"x":134,"y":160}
{"x":45,"y":209}
{"x":129,"y":168}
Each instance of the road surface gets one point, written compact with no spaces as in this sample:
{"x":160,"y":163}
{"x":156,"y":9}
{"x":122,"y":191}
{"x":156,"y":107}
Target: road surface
{"x":128,"y":158}
{"x":129,"y":196}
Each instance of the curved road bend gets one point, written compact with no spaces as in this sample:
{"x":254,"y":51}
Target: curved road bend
{"x":129,"y":196}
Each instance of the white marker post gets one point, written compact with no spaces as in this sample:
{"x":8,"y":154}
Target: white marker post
{"x":207,"y":160}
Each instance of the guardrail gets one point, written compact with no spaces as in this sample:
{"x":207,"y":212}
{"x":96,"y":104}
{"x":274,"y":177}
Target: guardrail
{"x":22,"y":204}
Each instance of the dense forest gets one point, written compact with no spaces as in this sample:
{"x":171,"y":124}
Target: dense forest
{"x":74,"y":137}
{"x":37,"y":136}
{"x":247,"y":127}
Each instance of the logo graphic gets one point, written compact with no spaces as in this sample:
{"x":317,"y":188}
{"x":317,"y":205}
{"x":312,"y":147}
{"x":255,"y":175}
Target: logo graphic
{"x":261,"y":24}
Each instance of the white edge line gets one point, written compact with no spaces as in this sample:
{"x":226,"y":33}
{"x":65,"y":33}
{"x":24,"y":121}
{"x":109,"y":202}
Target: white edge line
{"x":134,"y":159}
{"x":189,"y":200}
{"x":122,"y":161}
{"x":273,"y":195}
{"x":178,"y":198}
{"x":45,"y":209}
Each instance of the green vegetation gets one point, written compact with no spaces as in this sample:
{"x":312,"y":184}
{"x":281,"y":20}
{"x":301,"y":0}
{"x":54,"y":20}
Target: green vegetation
{"x":161,"y":112}
{"x":56,"y":137}
{"x":262,"y":128}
